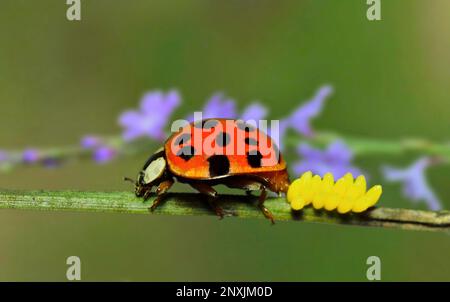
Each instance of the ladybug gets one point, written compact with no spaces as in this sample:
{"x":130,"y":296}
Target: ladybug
{"x":209,"y":152}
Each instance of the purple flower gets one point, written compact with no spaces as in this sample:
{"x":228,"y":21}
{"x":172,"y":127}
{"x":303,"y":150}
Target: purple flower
{"x":90,"y":141}
{"x":335,"y":159}
{"x":301,"y":118}
{"x":155,"y":110}
{"x":30,"y":156}
{"x":255,"y":112}
{"x":218,"y":106}
{"x":415,"y":185}
{"x":101,"y":153}
{"x":104,"y":154}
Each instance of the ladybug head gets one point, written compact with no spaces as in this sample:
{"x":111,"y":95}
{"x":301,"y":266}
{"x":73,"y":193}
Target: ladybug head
{"x":152,"y":174}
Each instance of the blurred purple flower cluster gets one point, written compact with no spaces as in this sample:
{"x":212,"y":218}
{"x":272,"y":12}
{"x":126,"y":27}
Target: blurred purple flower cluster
{"x":156,"y":108}
{"x":101,"y":152}
{"x":28,"y":156}
{"x":254,"y":111}
{"x":300,"y":119}
{"x":151,"y":118}
{"x":336,"y":158}
{"x":219,"y":106}
{"x":414,"y":181}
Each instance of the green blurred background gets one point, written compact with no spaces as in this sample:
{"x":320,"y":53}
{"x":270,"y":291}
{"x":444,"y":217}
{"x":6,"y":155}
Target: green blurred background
{"x":60,"y":80}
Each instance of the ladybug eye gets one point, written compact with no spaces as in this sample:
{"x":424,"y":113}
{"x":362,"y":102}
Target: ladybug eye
{"x":140,"y":178}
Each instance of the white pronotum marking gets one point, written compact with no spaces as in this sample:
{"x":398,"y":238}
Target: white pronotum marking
{"x":154,"y":170}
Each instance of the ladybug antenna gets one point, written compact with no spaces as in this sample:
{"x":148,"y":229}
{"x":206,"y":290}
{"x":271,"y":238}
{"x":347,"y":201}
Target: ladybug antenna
{"x":129,"y":179}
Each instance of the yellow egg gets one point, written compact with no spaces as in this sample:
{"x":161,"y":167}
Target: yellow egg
{"x":360,"y":183}
{"x":319,"y":200}
{"x":293,"y":190}
{"x":305,"y":181}
{"x":332,"y":201}
{"x":297,"y":204}
{"x":345,"y":195}
{"x":347,"y":201}
{"x":307,"y":175}
{"x":347,"y":183}
{"x":340,"y":187}
{"x":345,"y":206}
{"x":323,"y":191}
{"x":360,"y":205}
{"x":357,"y":189}
{"x":373,"y":195}
{"x":353,"y":192}
{"x":328,"y":180}
{"x":348,"y":177}
{"x":313,"y":187}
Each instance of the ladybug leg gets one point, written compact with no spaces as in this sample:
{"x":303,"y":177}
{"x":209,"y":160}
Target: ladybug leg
{"x":213,"y":203}
{"x":160,"y":192}
{"x":262,"y":198}
{"x":147,"y":194}
{"x":211,"y":194}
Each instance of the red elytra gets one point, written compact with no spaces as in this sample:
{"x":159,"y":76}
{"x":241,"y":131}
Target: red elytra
{"x":191,"y":151}
{"x":211,"y":152}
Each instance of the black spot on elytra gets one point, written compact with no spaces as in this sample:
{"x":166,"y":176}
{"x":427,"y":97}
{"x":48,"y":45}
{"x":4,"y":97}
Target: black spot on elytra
{"x":186,"y":152}
{"x":244,"y":126}
{"x":182,"y":139}
{"x":218,"y":165}
{"x":254,"y":159}
{"x":206,"y":124}
{"x":251,"y":141}
{"x":223,"y":139}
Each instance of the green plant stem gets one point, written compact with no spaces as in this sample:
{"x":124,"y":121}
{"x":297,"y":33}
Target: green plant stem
{"x":194,"y":204}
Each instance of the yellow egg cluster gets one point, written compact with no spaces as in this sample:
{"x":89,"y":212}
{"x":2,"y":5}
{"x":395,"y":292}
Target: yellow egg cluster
{"x":346,"y":195}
